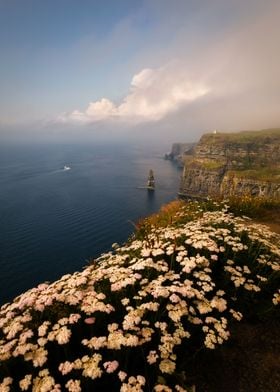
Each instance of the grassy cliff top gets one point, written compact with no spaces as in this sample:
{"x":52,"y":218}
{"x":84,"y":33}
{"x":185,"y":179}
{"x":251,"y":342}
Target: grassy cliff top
{"x":204,"y":163}
{"x":251,"y":154}
{"x":243,"y":137}
{"x":270,"y":174}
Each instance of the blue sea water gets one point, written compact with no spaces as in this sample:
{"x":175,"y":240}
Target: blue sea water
{"x":53,"y":220}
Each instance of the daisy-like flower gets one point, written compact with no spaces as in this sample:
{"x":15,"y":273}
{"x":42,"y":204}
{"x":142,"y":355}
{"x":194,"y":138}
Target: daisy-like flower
{"x":25,"y":382}
{"x":74,"y":386}
{"x":91,"y":368}
{"x":63,"y":335}
{"x":5,"y":384}
{"x":38,"y":357}
{"x":110,"y":366}
{"x":152,"y":357}
{"x":161,"y":290}
{"x":65,"y":367}
{"x":167,"y":366}
{"x":122,"y":375}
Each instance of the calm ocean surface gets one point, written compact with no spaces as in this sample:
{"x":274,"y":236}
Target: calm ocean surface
{"x":53,"y":220}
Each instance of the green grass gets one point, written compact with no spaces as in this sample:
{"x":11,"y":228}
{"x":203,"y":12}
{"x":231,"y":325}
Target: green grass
{"x":258,"y":208}
{"x":211,"y":164}
{"x":253,"y":207}
{"x":204,"y":163}
{"x":244,"y":136}
{"x":271,"y":174}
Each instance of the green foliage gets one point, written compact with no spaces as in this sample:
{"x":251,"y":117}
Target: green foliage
{"x":212,"y":164}
{"x":244,"y":137}
{"x":255,"y":207}
{"x":268,"y":173}
{"x":251,"y":206}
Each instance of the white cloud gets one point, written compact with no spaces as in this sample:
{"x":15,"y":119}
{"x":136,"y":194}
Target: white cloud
{"x":226,"y":75}
{"x":100,"y":110}
{"x":153,"y":94}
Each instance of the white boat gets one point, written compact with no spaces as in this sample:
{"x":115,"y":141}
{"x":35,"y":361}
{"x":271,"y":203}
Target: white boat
{"x":66,"y":167}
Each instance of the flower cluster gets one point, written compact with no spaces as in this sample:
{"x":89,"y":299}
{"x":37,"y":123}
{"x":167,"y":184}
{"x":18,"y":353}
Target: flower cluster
{"x":129,"y":321}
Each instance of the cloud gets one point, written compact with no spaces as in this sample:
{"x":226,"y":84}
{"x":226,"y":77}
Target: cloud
{"x":218,"y":69}
{"x":153,"y":94}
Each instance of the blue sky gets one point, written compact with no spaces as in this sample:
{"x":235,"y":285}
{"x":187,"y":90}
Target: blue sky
{"x":51,"y":52}
{"x":180,"y":65}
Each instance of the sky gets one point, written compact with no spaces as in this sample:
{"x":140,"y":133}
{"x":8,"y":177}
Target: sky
{"x":137,"y":69}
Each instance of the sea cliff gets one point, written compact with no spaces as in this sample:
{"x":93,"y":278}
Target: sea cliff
{"x":242,"y":163}
{"x":179,"y":151}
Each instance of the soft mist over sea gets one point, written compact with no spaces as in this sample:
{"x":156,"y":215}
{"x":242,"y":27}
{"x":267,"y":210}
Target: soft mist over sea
{"x":52,"y":220}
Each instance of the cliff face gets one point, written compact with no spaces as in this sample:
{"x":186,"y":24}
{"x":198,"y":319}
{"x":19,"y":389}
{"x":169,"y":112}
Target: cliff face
{"x":234,"y":164}
{"x":180,"y":148}
{"x":178,"y":151}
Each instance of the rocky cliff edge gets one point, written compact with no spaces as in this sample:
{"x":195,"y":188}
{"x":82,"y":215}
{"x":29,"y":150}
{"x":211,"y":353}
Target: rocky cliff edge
{"x":242,"y":163}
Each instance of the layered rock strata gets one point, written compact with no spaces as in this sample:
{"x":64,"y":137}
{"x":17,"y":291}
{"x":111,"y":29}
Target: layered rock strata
{"x":244,"y":163}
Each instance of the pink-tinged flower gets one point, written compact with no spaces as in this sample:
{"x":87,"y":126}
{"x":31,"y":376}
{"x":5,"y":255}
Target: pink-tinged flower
{"x":162,"y":388}
{"x":152,"y":357}
{"x":141,"y":380}
{"x":42,"y":286}
{"x":39,"y":307}
{"x":122,"y":375}
{"x":111,"y":366}
{"x":174,"y":298}
{"x":65,"y":367}
{"x":73,"y":385}
{"x":89,"y":320}
{"x":74,"y":318}
{"x":56,"y":388}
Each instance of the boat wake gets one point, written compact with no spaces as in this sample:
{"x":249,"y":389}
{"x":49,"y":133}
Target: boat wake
{"x":65,"y":168}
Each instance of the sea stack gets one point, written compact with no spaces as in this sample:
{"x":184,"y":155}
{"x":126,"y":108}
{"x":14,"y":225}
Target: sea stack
{"x":151,"y":181}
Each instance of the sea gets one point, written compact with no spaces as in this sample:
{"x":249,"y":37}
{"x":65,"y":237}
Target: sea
{"x":62,"y":205}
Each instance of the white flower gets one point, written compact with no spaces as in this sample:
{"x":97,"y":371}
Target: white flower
{"x":65,"y":367}
{"x":276,"y":298}
{"x":43,"y":383}
{"x":42,"y":330}
{"x":162,"y":388}
{"x":25,"y":382}
{"x":152,"y":357}
{"x":38,"y":357}
{"x":63,"y":335}
{"x":145,"y":252}
{"x":122,"y":375}
{"x":5,"y":385}
{"x":73,"y":385}
{"x":219,"y":303}
{"x":91,"y":368}
{"x":167,"y":366}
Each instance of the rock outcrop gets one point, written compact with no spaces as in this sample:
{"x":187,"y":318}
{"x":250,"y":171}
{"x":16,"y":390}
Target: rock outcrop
{"x":243,"y":163}
{"x":178,"y":152}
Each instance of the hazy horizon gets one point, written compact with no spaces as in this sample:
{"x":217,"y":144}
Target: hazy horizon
{"x":137,"y":70}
